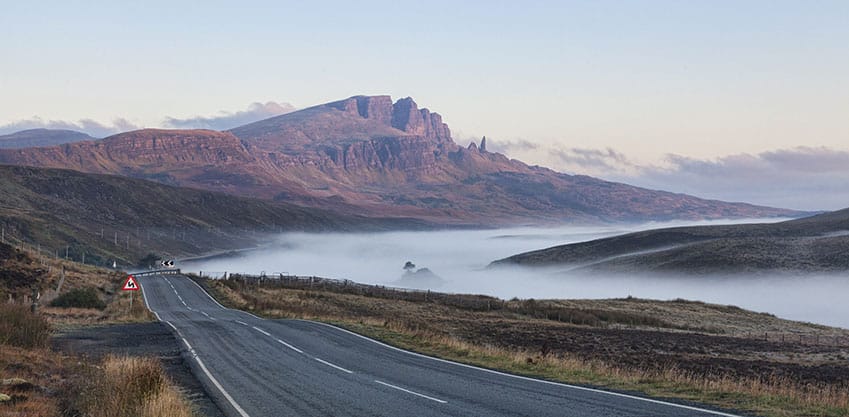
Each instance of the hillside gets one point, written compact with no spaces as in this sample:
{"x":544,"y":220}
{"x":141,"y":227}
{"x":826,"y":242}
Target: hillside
{"x":812,"y":244}
{"x":41,"y":137}
{"x":370,"y":156}
{"x":105,"y":218}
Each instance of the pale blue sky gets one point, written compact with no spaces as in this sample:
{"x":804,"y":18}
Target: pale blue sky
{"x":703,"y":79}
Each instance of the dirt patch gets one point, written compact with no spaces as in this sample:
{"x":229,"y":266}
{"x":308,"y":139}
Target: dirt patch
{"x":138,"y":339}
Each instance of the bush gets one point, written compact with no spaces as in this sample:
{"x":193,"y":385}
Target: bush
{"x":150,"y":260}
{"x":79,"y":298}
{"x":20,"y":327}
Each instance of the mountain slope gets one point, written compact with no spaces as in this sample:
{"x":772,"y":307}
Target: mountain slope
{"x":41,"y":137}
{"x":814,"y":244}
{"x":112,"y":217}
{"x":368,"y":155}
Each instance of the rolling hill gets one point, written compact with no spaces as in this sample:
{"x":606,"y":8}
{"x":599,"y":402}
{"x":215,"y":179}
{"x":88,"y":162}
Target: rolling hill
{"x":369,"y":155}
{"x":41,"y":137}
{"x":812,"y":244}
{"x":117,"y":218}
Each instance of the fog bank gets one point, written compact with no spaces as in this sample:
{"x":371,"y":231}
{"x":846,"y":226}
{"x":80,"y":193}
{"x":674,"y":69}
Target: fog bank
{"x":459,"y":259}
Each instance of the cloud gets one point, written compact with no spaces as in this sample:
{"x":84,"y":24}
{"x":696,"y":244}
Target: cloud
{"x":806,"y":178}
{"x":89,"y":126}
{"x":222,"y":121}
{"x":228,"y":120}
{"x":803,"y":177}
{"x":595,"y":159}
{"x":508,"y":146}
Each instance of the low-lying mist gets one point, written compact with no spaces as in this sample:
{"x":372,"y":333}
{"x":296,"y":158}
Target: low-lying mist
{"x":458,"y":261}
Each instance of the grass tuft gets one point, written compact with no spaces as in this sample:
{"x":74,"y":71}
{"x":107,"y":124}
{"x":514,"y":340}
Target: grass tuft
{"x":130,"y":387}
{"x":20,"y":327}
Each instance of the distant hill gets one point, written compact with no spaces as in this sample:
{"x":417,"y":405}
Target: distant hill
{"x":369,"y":155}
{"x":118,"y":218}
{"x":812,"y":244}
{"x":41,"y":137}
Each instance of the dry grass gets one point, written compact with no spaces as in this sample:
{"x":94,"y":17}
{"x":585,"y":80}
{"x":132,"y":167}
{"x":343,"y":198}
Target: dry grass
{"x":20,"y":327}
{"x":22,"y":270}
{"x":57,"y":385}
{"x":38,"y":367}
{"x":130,"y":387}
{"x":502,"y":339}
{"x":773,"y":395}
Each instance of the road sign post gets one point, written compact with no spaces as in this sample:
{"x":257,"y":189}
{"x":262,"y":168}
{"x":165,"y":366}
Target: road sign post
{"x":132,"y":286}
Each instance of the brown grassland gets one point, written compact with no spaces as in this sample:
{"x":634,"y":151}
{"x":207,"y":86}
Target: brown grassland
{"x":36,"y":381}
{"x":682,"y":350}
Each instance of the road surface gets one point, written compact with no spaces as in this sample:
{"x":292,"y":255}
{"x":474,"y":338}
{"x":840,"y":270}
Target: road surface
{"x":255,"y":367}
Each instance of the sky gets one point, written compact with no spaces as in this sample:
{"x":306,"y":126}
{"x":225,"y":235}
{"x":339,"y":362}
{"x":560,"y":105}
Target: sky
{"x":724,"y":99}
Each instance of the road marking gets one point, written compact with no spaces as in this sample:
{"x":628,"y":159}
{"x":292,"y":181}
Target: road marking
{"x":542,"y":381}
{"x":220,"y":388}
{"x":219,"y":304}
{"x":412,"y":392}
{"x":261,"y":331}
{"x":188,"y":346}
{"x":242,"y":323}
{"x":212,"y":379}
{"x":289,"y":346}
{"x":334,"y":366}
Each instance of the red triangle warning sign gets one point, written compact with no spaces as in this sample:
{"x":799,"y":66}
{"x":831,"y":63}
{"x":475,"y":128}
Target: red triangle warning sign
{"x":131,"y":284}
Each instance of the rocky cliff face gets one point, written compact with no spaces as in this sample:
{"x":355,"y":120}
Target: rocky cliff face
{"x":370,"y":155}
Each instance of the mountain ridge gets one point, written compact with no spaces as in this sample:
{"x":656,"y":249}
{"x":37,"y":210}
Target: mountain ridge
{"x":41,"y":137}
{"x":371,"y":156}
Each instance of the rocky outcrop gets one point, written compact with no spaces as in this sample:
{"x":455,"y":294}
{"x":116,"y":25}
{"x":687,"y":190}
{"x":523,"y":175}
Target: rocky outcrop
{"x":407,"y":117}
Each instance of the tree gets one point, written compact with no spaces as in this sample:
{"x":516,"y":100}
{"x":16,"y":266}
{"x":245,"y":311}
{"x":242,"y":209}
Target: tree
{"x":149,"y":261}
{"x":409,"y":266}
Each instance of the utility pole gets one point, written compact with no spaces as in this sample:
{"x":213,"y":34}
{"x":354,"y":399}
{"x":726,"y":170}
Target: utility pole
{"x":83,"y":258}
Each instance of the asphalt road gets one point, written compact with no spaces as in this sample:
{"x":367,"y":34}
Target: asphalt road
{"x":255,"y":367}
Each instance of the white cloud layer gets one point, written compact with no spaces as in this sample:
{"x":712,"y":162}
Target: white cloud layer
{"x":89,"y":126}
{"x":228,"y":120}
{"x":222,"y":121}
{"x":806,"y":178}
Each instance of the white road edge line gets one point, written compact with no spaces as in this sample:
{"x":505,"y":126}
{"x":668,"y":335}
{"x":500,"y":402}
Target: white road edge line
{"x":560,"y":384}
{"x":412,"y":392}
{"x":212,"y":379}
{"x":334,"y":366}
{"x":289,"y":346}
{"x":261,"y":331}
{"x":220,"y":388}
